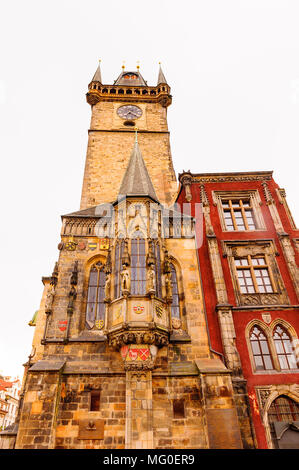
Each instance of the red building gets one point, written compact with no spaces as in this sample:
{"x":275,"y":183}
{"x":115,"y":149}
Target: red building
{"x":248,"y":259}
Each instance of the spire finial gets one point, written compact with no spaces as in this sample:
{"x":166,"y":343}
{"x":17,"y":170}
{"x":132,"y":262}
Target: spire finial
{"x":123,"y":65}
{"x":161,"y":76}
{"x":136,"y":135}
{"x":138,"y":66}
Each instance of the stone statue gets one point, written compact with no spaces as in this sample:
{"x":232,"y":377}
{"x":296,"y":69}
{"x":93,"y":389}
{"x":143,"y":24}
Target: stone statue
{"x":168,"y":285}
{"x":125,"y":279}
{"x":49,"y":298}
{"x":72,"y":297}
{"x":151,"y":278}
{"x":107,"y":286}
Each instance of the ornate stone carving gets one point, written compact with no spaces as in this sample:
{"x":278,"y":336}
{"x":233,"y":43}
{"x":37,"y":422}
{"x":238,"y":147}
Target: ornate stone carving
{"x":107,"y":287}
{"x":49,"y":299}
{"x":125,"y":280}
{"x":151,"y":279}
{"x":117,"y":340}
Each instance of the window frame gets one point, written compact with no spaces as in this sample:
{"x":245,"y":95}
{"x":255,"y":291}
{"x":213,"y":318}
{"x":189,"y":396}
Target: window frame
{"x":268,"y":331}
{"x":252,"y":268}
{"x":98,"y":314}
{"x":255,"y":203}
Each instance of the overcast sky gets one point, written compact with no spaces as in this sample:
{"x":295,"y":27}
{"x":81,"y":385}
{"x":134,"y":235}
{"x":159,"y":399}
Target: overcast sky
{"x":233,"y":68}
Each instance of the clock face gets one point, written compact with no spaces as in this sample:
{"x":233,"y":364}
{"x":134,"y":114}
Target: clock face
{"x":129,"y":112}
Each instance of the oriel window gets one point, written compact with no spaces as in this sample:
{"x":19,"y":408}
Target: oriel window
{"x":95,"y":308}
{"x":254,"y":275}
{"x":238,"y":214}
{"x":284,"y":348}
{"x":138,"y":264}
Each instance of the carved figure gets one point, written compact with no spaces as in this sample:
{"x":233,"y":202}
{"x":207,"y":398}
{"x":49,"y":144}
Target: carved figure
{"x":107,"y":286}
{"x":168,"y":285}
{"x":151,"y":279}
{"x":49,"y":298}
{"x":125,"y":279}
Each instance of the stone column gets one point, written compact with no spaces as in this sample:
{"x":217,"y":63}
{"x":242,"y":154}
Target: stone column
{"x":139,"y":410}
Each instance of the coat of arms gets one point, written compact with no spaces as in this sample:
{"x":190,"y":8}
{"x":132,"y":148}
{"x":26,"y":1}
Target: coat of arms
{"x":138,"y":308}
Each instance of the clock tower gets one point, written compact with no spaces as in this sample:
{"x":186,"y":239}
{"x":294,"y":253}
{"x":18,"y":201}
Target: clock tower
{"x":117,"y":110}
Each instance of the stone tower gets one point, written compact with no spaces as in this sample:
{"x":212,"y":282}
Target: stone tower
{"x":116,"y":110}
{"x":121,"y":353}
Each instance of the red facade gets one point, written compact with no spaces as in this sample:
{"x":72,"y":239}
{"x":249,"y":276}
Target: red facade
{"x":236,"y":288}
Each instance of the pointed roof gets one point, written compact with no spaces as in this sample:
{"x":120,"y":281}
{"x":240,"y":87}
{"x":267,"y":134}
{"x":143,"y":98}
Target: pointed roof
{"x":97,"y":76}
{"x":136,"y":79}
{"x":161,"y":76}
{"x":136,"y":180}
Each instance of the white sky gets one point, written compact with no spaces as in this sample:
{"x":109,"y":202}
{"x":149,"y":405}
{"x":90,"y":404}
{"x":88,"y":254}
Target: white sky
{"x":234,"y":73}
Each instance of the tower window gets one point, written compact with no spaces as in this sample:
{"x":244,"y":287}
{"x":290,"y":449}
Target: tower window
{"x":95,"y":308}
{"x":158,"y":270}
{"x":95,"y":400}
{"x":178,"y":409}
{"x":117,"y":268}
{"x":175,"y":306}
{"x":138,"y":265}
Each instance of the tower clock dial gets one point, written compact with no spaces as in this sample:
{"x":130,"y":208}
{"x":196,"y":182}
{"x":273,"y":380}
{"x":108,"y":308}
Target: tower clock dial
{"x":129,"y":112}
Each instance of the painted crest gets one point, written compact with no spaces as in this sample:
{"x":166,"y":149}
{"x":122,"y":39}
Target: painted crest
{"x":133,"y":354}
{"x":124,"y":351}
{"x":267,"y":318}
{"x":92,"y":246}
{"x":138,"y":308}
{"x":143,"y":353}
{"x":62,"y":324}
{"x":81,"y":245}
{"x":99,"y":324}
{"x":70,"y":246}
{"x":104,"y":244}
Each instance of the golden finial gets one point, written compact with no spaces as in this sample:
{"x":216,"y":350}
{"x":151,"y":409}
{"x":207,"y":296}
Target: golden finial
{"x":123,"y":65}
{"x":136,"y":135}
{"x":138,"y":66}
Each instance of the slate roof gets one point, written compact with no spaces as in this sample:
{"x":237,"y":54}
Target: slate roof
{"x":97,"y":76}
{"x":136,"y":180}
{"x":161,"y":77}
{"x":128,"y":82}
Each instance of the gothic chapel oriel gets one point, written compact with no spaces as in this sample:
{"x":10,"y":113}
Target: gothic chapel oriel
{"x":121,"y":352}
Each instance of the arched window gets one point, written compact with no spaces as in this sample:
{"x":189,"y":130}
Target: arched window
{"x":95,"y":308}
{"x":138,"y":264}
{"x":260,"y":349}
{"x":175,"y":306}
{"x":284,"y":349}
{"x":158,"y":269}
{"x":283,"y":409}
{"x":117,"y":268}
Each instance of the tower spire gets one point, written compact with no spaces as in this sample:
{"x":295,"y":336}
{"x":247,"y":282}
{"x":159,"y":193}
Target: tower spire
{"x":136,"y":180}
{"x":97,"y":76}
{"x":161,"y":76}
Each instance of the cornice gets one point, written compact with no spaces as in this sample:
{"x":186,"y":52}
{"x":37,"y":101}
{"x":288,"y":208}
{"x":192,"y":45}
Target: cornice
{"x":228,"y":177}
